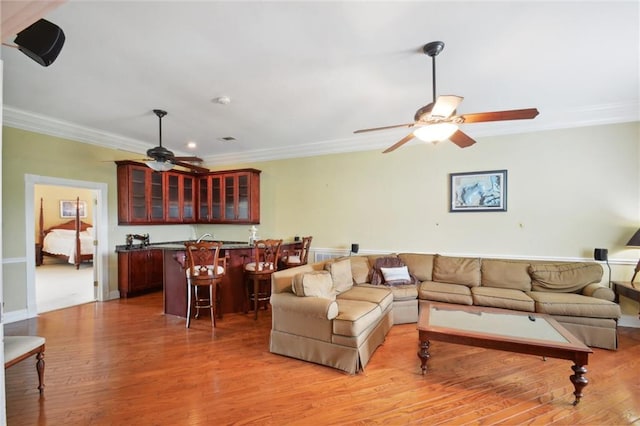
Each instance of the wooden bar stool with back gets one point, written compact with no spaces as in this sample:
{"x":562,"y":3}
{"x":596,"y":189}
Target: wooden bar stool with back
{"x":299,"y":256}
{"x":204,"y":268}
{"x":265,"y":255}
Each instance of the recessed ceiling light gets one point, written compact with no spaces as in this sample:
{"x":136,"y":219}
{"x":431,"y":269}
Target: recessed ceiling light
{"x":223,"y":100}
{"x":192,"y":145}
{"x":227,"y":139}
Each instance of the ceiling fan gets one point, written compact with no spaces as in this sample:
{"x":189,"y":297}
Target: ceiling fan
{"x":162,"y":159}
{"x":438,"y":121}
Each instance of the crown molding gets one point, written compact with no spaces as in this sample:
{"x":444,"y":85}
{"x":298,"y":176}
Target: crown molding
{"x":547,"y":120}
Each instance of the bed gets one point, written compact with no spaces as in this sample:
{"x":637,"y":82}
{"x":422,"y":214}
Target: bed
{"x":71,"y":240}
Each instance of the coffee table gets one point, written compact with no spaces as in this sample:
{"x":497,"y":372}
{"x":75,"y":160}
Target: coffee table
{"x":502,"y":329}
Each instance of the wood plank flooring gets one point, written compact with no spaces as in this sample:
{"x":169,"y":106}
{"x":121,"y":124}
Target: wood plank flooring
{"x":124,"y":362}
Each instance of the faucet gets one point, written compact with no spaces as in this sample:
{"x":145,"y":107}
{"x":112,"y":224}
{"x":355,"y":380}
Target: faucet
{"x":202,"y":237}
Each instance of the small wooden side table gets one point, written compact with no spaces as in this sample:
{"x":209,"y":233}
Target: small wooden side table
{"x":626,"y":289}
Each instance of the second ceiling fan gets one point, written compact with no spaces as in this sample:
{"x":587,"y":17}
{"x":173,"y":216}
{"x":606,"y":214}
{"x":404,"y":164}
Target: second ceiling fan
{"x":438,"y":121}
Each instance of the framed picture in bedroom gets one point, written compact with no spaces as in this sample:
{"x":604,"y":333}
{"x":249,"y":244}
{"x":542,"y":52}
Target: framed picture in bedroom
{"x":68,"y":208}
{"x":478,"y":191}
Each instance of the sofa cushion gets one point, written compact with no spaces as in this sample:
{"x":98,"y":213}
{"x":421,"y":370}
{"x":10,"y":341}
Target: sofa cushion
{"x":505,"y":298}
{"x":404,"y":292}
{"x":566,"y":278}
{"x":571,"y":304}
{"x":420,"y":265}
{"x":313,"y":284}
{"x":457,"y":270}
{"x":360,"y":269}
{"x":375,"y":294}
{"x":340,"y":274}
{"x":445,"y":292}
{"x":355,"y":316}
{"x":505,"y":274}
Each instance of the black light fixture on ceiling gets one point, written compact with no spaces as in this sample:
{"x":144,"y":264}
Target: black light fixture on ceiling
{"x":41,"y":41}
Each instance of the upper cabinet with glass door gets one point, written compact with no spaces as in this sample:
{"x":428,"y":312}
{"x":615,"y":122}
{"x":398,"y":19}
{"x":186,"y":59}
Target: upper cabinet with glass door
{"x":232,"y":196}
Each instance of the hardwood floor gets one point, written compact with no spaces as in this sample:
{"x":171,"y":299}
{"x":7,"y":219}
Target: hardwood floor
{"x":124,"y":362}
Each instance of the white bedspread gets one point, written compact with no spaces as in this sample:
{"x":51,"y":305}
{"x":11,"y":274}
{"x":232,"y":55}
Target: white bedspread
{"x":63,"y":241}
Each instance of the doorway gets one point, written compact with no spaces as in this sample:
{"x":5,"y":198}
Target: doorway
{"x":97,"y":277}
{"x":59,"y":283}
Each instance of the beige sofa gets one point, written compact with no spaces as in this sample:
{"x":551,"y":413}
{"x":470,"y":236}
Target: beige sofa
{"x":342,"y":325}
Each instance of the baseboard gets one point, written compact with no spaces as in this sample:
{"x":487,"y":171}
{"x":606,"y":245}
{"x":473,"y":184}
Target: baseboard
{"x":13,"y":316}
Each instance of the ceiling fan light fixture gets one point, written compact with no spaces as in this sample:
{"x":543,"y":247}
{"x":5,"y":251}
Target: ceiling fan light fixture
{"x":435,"y":132}
{"x":159,"y":166}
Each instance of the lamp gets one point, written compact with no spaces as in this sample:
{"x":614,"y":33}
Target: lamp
{"x":435,"y":132}
{"x":159,"y":166}
{"x":635,"y":243}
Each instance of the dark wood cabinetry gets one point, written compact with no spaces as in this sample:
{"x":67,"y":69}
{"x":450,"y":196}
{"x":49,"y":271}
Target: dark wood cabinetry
{"x":230,"y":197}
{"x":139,"y":271}
{"x":140,"y":194}
{"x":180,"y":197}
{"x":149,"y":197}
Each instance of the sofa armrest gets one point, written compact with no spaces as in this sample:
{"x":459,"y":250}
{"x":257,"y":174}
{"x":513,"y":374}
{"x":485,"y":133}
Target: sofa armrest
{"x":599,"y":291}
{"x":316,"y":307}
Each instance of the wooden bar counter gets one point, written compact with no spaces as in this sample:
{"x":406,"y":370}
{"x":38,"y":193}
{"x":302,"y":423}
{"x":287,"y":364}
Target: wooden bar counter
{"x":232,"y":286}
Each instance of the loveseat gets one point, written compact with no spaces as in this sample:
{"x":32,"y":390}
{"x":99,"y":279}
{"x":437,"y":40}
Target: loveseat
{"x":337,"y":312}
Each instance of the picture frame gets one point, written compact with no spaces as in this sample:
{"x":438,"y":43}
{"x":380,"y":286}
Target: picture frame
{"x":484,"y":191}
{"x":68,"y":208}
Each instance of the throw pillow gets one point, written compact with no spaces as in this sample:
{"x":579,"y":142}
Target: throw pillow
{"x":313,"y":284}
{"x":340,"y":274}
{"x":396,"y":276}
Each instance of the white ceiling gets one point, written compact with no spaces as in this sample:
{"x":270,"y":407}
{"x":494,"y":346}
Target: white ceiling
{"x":302,"y":76}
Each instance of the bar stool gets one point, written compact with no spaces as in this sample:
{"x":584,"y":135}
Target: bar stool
{"x":257,"y":273}
{"x":204,"y":268}
{"x":297,"y":257}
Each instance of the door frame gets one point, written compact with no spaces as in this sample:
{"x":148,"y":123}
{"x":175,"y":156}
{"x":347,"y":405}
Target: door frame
{"x":100,"y":226}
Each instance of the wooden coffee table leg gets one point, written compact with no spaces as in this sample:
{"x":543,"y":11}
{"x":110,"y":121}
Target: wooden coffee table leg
{"x":579,"y":381}
{"x":423,"y":354}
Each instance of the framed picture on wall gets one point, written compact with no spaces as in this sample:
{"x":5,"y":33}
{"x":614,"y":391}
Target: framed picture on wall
{"x":68,"y":208}
{"x":478,"y":191}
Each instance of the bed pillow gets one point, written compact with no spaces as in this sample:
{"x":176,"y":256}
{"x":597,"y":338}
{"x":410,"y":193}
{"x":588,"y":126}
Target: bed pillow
{"x":63,"y":232}
{"x":313,"y":284}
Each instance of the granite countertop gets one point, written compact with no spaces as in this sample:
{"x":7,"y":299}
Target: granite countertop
{"x":177,"y":245}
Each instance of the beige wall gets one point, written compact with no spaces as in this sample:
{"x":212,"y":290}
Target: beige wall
{"x":568,"y":192}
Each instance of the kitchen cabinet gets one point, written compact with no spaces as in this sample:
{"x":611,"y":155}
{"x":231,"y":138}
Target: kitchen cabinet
{"x":230,"y":197}
{"x":176,"y":197}
{"x":140,"y":271}
{"x":140,"y":194}
{"x":180,"y":197}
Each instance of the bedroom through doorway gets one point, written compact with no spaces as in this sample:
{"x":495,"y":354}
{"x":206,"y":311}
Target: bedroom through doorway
{"x":61,"y":280}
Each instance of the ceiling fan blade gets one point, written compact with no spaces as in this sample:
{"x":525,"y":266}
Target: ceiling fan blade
{"x":513,"y":114}
{"x":461,"y":139}
{"x":399,"y":143}
{"x":384,"y":128}
{"x":191,"y":167}
{"x":192,"y":158}
{"x":445,"y":106}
